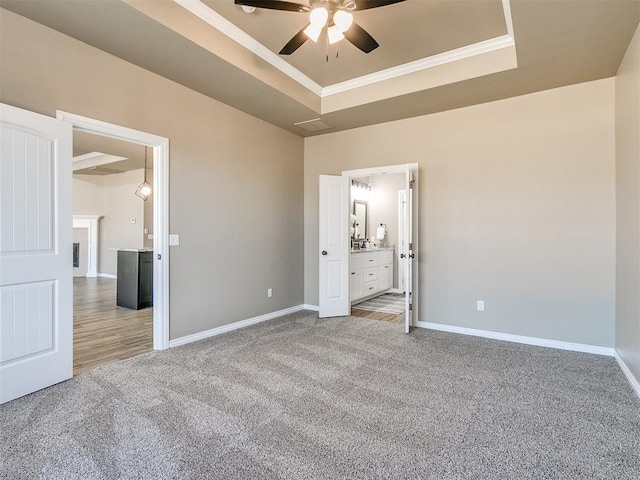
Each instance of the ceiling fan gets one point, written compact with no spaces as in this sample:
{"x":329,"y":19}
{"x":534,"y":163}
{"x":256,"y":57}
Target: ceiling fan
{"x":331,"y":15}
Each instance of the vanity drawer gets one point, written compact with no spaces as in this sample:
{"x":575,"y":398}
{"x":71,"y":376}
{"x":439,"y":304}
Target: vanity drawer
{"x":369,"y":287}
{"x":369,"y":259}
{"x":370,"y":274}
{"x":356,"y":261}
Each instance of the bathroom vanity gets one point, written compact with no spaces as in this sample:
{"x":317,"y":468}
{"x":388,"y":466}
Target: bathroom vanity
{"x":371,"y":272}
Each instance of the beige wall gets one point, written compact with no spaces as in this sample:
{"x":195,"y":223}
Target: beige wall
{"x":148,"y":221}
{"x":121,"y":206}
{"x":517,"y":208}
{"x":628,"y":208}
{"x":113,"y":197}
{"x":235,"y":181}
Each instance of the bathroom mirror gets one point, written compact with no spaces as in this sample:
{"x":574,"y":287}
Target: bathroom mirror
{"x":361,"y":211}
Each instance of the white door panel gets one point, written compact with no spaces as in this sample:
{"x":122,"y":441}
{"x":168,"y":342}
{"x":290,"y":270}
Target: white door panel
{"x":409,"y":246}
{"x":36,"y":313}
{"x":334,"y":246}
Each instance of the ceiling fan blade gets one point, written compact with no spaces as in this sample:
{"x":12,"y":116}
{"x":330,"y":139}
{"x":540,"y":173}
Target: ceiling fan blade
{"x":295,"y":43}
{"x":367,"y":4}
{"x":361,"y":38}
{"x":274,"y":5}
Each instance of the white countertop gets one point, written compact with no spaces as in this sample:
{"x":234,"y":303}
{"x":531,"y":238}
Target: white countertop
{"x":374,"y":249}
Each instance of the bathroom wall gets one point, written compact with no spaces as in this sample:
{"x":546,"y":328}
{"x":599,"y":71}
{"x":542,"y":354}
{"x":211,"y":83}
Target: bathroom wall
{"x":383,"y":208}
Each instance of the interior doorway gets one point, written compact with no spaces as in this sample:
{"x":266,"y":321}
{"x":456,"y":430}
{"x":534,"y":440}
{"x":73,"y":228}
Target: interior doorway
{"x":159,"y":152}
{"x":376,"y":274}
{"x":395,"y":178}
{"x":339,"y":260}
{"x":112,"y":311}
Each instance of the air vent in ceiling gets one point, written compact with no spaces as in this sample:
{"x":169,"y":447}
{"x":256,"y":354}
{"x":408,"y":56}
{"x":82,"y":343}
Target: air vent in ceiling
{"x":313,"y":125}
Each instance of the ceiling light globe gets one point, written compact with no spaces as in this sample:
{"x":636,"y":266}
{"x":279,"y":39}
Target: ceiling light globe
{"x":342,"y":20}
{"x":313,"y":31}
{"x":334,"y":34}
{"x":318,"y":17}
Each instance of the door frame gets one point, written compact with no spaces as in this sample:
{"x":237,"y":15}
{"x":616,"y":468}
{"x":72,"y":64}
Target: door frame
{"x":160,"y":147}
{"x":391,"y":170}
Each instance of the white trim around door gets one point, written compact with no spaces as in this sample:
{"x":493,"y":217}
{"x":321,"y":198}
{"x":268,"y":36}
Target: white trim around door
{"x":410,"y":170}
{"x":160,"y":147}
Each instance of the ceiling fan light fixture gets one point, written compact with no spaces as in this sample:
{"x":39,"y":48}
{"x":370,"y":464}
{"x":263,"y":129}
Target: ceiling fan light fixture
{"x":334,"y":34}
{"x":318,"y":17}
{"x":342,"y":20}
{"x":313,"y":32}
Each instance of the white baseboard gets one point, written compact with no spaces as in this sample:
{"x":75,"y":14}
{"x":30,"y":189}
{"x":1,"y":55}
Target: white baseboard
{"x":108,"y":275}
{"x":632,"y":380}
{"x":508,"y":337}
{"x":232,"y":326}
{"x":313,"y":308}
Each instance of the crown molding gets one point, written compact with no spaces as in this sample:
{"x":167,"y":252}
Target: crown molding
{"x":217,"y":21}
{"x":479,"y":48}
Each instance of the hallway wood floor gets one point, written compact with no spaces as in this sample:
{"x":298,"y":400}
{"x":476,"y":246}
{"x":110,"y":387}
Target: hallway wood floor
{"x":385,"y":317}
{"x":102,"y":331}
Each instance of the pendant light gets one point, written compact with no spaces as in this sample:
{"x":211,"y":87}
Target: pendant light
{"x":145,"y":188}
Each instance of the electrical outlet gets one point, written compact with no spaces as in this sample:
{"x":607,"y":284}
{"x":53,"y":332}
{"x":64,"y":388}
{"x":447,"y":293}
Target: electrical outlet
{"x":174,"y":239}
{"x":480,"y":305}
{"x":269,"y":292}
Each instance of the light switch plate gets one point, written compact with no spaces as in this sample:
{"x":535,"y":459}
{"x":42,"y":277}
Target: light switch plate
{"x":174,"y":239}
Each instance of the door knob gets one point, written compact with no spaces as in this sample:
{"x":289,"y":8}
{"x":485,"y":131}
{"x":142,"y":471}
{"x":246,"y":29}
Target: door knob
{"x":412,"y":256}
{"x":402,"y":255}
{"x":324,"y":252}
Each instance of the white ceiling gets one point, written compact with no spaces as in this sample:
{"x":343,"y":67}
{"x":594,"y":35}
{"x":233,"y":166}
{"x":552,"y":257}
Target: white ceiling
{"x":434,"y":55}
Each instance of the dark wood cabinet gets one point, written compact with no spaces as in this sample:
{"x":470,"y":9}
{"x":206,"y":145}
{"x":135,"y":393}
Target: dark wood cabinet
{"x":135,"y":279}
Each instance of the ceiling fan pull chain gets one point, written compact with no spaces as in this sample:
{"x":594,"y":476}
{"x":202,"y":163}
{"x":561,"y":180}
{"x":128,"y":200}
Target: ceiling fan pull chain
{"x":327,"y":49}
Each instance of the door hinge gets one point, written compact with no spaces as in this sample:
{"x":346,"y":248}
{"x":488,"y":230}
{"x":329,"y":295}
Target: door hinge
{"x":411,"y":183}
{"x":410,"y":245}
{"x":159,"y":257}
{"x":410,"y":306}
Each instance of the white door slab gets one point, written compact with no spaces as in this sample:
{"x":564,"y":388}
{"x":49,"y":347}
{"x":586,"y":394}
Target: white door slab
{"x":410,"y":247}
{"x":36,"y":264}
{"x":334,"y":246}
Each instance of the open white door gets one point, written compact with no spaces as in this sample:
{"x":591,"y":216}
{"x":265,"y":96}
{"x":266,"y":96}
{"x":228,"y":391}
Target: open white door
{"x":36,"y":309}
{"x":408,"y":247}
{"x":334,"y":246}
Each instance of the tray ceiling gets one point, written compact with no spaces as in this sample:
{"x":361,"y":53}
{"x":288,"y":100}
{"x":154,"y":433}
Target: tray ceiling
{"x":434,"y":55}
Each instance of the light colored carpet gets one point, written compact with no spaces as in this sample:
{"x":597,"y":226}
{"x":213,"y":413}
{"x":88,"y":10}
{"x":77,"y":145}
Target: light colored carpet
{"x":387,"y":303}
{"x":303,"y":398}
